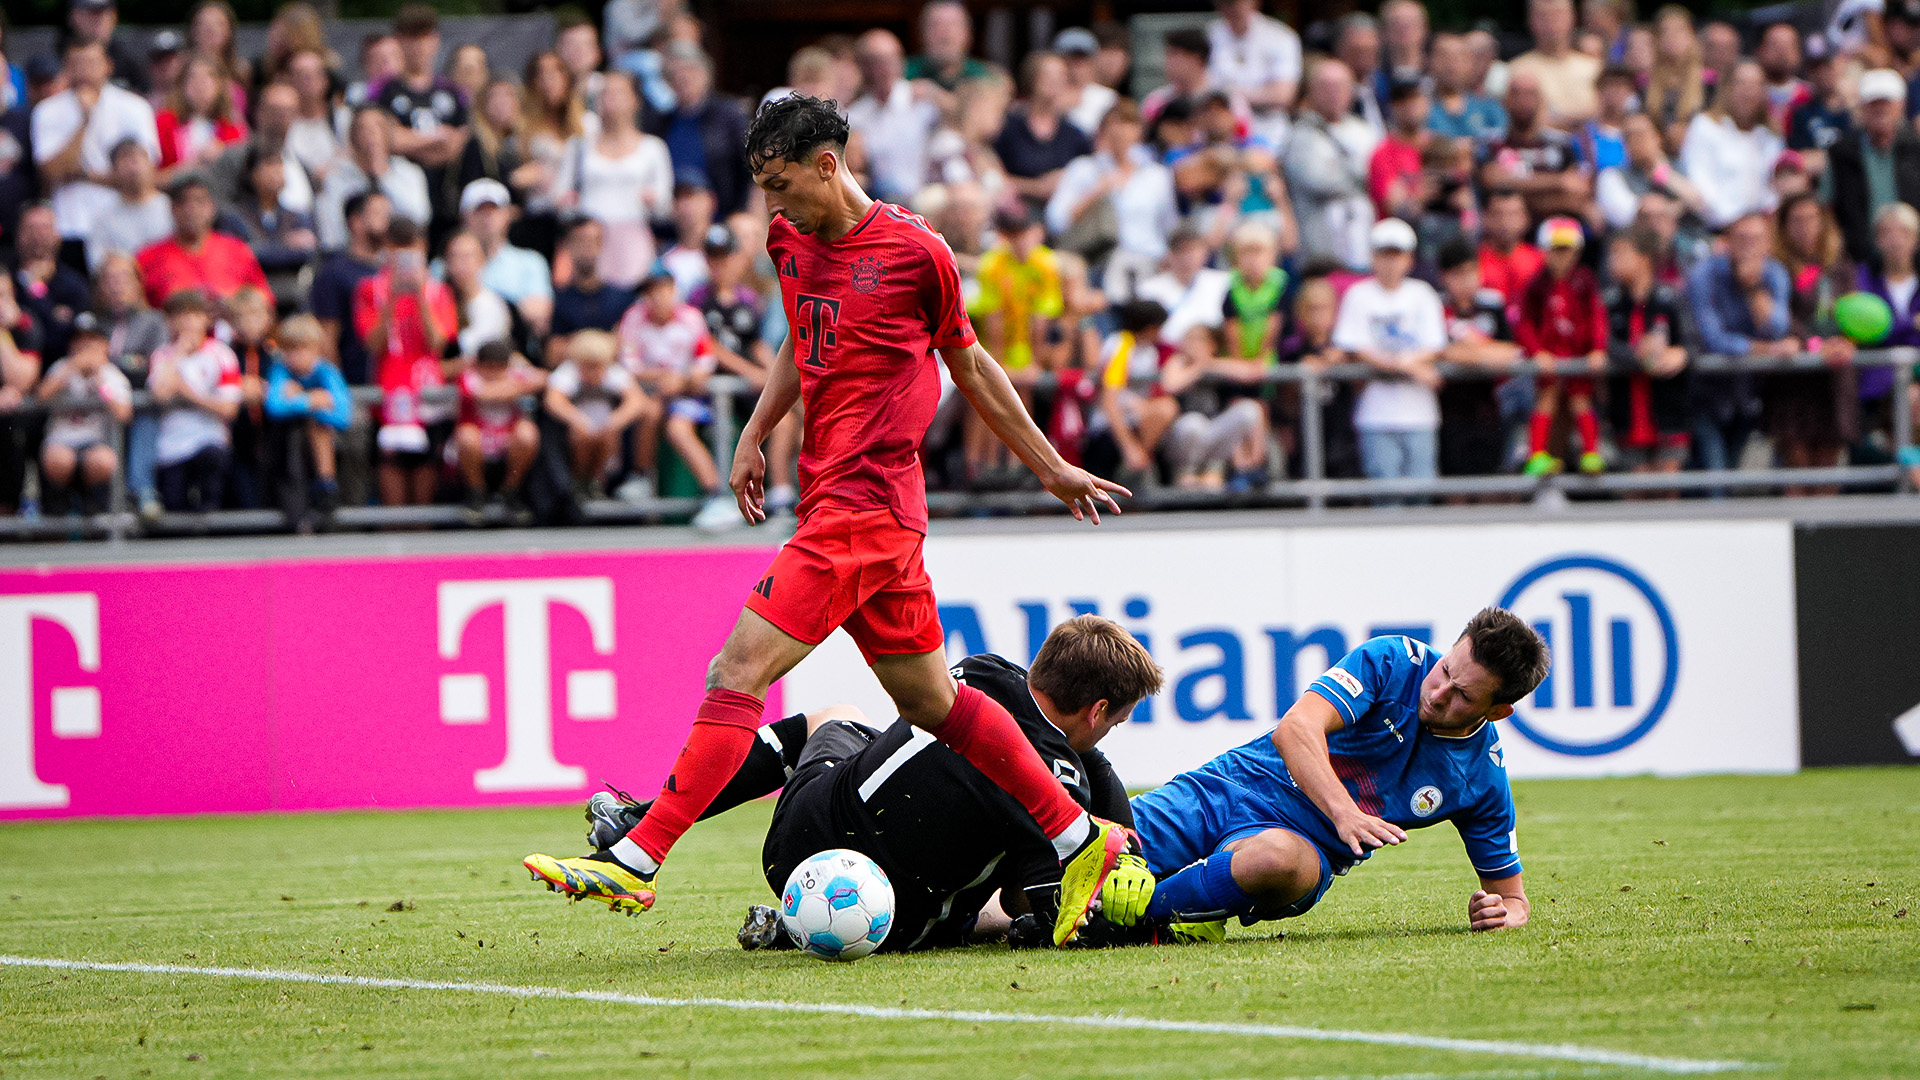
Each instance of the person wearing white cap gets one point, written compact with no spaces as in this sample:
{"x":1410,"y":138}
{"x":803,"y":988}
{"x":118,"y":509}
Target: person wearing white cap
{"x":1396,"y":325}
{"x":1729,"y":150}
{"x":1874,"y":165}
{"x":520,"y":276}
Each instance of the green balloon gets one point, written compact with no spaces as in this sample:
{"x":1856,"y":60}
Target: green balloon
{"x":1863,"y":317}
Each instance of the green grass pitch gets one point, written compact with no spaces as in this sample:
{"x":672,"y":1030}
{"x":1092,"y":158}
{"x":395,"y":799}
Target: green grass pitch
{"x":1771,"y":921}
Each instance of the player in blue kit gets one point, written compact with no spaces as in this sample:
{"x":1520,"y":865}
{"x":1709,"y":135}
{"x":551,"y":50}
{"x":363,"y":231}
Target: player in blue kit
{"x":1395,"y":736}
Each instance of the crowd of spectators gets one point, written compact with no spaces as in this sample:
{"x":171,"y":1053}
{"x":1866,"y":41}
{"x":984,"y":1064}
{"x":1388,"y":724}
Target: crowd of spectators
{"x":543,"y":271}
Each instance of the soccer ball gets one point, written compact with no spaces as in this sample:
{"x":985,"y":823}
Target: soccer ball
{"x":837,"y":905}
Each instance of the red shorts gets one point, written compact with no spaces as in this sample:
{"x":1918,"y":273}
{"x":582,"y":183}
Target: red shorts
{"x":858,"y":569}
{"x":1569,"y":385}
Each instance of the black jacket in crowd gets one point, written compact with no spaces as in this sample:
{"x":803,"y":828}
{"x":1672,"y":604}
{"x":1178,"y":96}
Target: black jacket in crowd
{"x":1851,"y":206}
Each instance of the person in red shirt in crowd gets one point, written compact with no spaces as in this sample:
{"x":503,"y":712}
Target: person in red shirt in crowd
{"x":1393,"y":174}
{"x":196,"y":257}
{"x":198,"y":124}
{"x":1560,"y":317}
{"x":871,"y":292}
{"x":1507,"y":261}
{"x":406,"y":318}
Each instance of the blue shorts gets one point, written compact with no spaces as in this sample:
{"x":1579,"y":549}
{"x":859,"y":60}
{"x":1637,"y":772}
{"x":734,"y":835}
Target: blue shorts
{"x":1197,"y":814}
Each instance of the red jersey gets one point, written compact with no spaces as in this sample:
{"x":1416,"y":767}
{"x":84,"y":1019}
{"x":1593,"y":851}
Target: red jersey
{"x":406,"y":362}
{"x":222,"y":267}
{"x":1564,"y":318}
{"x":1510,"y":272}
{"x":866,"y":313}
{"x":1392,"y":160}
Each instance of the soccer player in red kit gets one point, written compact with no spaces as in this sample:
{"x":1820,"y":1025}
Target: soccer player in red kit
{"x":871,"y":294}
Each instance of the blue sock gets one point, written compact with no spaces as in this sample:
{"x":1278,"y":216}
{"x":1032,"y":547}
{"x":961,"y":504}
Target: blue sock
{"x":1201,"y":893}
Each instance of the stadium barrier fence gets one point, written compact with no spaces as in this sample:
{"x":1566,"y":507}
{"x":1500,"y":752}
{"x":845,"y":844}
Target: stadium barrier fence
{"x":1314,"y":490}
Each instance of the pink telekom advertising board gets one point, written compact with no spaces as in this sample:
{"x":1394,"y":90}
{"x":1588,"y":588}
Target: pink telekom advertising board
{"x":355,"y":683}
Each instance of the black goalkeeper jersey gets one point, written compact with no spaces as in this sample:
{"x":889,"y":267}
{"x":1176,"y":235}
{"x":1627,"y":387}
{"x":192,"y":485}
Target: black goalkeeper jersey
{"x":946,"y":835}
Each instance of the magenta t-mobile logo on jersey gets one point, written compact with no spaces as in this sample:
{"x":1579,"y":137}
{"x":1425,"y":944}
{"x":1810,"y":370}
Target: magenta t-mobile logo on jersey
{"x":466,"y":697}
{"x":76,"y":709}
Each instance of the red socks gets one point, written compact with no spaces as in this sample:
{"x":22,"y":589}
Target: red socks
{"x":1589,"y":431}
{"x":723,"y":733}
{"x":1584,"y":422}
{"x":1541,"y":431}
{"x":979,"y":729}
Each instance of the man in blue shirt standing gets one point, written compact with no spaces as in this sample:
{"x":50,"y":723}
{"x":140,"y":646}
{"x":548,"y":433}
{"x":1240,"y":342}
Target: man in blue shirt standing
{"x":1395,"y":736}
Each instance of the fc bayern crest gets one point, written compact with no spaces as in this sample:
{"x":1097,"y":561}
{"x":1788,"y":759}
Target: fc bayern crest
{"x":867,"y":272}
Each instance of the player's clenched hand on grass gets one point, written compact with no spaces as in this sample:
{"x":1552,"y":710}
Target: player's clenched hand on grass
{"x":1487,"y":911}
{"x":1499,"y":903}
{"x":1362,"y":832}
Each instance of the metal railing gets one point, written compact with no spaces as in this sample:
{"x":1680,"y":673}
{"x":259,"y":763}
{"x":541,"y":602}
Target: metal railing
{"x":1314,"y":489}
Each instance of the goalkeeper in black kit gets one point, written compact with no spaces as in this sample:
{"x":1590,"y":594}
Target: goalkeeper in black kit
{"x":947,"y":837}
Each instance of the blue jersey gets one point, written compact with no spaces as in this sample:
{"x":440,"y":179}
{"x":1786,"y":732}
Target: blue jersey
{"x":1394,"y":769}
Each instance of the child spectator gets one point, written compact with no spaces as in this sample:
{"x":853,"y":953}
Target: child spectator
{"x":597,"y":400}
{"x":1316,"y":304}
{"x":1019,"y":299}
{"x":1396,"y":325}
{"x":196,"y":379}
{"x":1219,"y":444}
{"x":1251,"y":318}
{"x":406,"y":318}
{"x":1561,"y":317}
{"x":308,"y":405}
{"x":1472,"y":435}
{"x":1135,"y":418}
{"x":1020,"y":290}
{"x":249,"y":324}
{"x":496,"y":439}
{"x":665,"y":344}
{"x":78,"y":447}
{"x":1645,"y":335}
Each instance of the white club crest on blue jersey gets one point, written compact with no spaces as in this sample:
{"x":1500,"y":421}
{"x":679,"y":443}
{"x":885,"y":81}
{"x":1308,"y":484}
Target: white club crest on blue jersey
{"x":1426,"y":801}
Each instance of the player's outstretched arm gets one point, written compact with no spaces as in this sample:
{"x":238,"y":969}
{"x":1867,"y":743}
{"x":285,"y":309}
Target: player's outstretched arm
{"x":992,"y":395}
{"x":749,"y":476}
{"x":1301,"y":739}
{"x":1499,"y":903}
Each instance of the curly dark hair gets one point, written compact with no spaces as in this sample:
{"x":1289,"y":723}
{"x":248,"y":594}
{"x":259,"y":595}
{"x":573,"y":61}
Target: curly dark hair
{"x":792,"y":128}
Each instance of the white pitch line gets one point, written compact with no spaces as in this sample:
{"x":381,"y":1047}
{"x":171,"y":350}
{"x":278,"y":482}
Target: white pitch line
{"x":1560,"y":1052}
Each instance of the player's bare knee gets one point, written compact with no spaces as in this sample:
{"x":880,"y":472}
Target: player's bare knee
{"x":1275,"y":863}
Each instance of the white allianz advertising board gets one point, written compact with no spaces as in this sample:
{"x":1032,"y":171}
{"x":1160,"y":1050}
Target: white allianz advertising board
{"x":1673,"y":642}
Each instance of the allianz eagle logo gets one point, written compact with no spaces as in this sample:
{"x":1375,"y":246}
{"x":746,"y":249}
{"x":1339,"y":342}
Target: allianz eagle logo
{"x":1616,"y":654}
